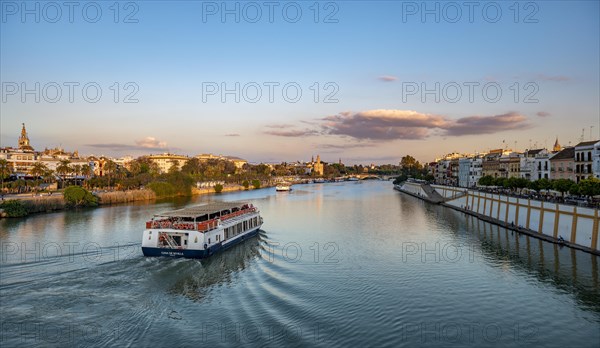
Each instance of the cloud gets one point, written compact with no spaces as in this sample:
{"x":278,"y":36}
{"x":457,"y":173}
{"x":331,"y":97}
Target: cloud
{"x":486,"y":124}
{"x":543,"y":114}
{"x":232,"y":135}
{"x":151,"y":143}
{"x":279,"y":126}
{"x":293,"y":133}
{"x":383,"y":124}
{"x":147,"y":143}
{"x":387,"y":78}
{"x":553,"y":78}
{"x":345,"y":146}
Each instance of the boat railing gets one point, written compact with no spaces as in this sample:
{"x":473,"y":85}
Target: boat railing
{"x":199,"y":226}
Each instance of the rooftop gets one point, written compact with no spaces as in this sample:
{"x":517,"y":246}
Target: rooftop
{"x":566,"y":153}
{"x":587,"y":143}
{"x":200,"y":210}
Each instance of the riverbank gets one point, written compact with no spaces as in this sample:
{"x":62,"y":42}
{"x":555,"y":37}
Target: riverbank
{"x":55,"y":202}
{"x":575,"y":227}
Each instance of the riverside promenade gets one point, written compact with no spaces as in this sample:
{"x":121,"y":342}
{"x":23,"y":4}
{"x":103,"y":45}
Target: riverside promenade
{"x":576,"y":227}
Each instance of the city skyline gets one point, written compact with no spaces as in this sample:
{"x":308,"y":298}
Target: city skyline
{"x":366,"y":91}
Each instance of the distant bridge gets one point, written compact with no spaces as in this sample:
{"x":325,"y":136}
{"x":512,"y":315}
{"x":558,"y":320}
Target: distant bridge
{"x":373,"y":177}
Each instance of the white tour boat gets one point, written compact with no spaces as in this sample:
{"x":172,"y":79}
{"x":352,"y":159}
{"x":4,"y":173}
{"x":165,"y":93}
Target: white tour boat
{"x":283,"y":187}
{"x":200,"y":231}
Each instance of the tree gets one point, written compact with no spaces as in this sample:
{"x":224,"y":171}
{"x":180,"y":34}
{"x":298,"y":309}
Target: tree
{"x":545,"y":184}
{"x":192,"y":166}
{"x":486,"y":180}
{"x":86,"y":171}
{"x":38,"y":170}
{"x":256,"y":184}
{"x":218,"y":188}
{"x":110,"y":168}
{"x":174,"y":166}
{"x":562,"y":185}
{"x":534,"y":185}
{"x":409,"y":162}
{"x":246,"y":184}
{"x":4,"y":172}
{"x":76,"y":196}
{"x":63,"y":169}
{"x":589,"y":187}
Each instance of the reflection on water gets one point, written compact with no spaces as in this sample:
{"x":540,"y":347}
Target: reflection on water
{"x":335,"y":265}
{"x":195,"y":278}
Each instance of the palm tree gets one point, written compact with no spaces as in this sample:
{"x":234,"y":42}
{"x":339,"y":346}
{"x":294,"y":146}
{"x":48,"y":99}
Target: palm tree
{"x":109,"y":168}
{"x":63,"y":169}
{"x":4,"y":171}
{"x":37,"y":170}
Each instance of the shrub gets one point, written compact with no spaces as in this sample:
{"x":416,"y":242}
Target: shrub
{"x":218,"y":188}
{"x":162,"y":189}
{"x":14,"y":208}
{"x":246,"y":184}
{"x":77,"y":196}
{"x":256,"y":184}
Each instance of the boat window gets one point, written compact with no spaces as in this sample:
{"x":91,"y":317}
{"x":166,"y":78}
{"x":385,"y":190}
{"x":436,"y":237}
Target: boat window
{"x":208,"y":240}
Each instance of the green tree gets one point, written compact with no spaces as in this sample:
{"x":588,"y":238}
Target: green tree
{"x":486,"y":180}
{"x":409,"y":162}
{"x":218,"y":188}
{"x":246,"y":184}
{"x":109,"y":169}
{"x":562,"y":185}
{"x":256,"y":184}
{"x":589,"y":187}
{"x":14,"y":208}
{"x":192,"y":167}
{"x":545,"y":184}
{"x":63,"y":169}
{"x":574,"y":189}
{"x":38,"y":170}
{"x":4,"y":172}
{"x":77,"y":196}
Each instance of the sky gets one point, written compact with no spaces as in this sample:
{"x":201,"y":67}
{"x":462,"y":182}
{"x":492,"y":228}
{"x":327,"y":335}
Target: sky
{"x":361,"y":81}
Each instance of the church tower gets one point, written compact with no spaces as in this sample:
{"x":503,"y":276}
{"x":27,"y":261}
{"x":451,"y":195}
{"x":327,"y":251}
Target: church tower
{"x":24,"y":141}
{"x":557,"y":146}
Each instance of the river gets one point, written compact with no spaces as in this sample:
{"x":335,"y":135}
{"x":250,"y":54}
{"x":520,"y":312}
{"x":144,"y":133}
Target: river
{"x":335,"y":265}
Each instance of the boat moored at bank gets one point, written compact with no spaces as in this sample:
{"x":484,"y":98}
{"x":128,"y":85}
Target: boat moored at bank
{"x":283,"y":187}
{"x":200,"y":231}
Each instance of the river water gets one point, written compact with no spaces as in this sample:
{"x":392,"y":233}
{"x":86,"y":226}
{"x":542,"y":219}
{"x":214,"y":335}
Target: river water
{"x":335,"y":265}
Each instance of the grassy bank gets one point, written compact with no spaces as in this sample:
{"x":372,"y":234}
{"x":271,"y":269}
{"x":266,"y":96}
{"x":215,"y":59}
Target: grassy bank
{"x":42,"y":204}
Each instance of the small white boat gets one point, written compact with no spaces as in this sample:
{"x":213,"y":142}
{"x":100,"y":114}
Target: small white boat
{"x":283,"y":187}
{"x":200,"y":231}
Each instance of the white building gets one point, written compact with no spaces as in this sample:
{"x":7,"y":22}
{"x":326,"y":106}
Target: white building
{"x":584,"y":159}
{"x":464,"y":171}
{"x":596,"y":160}
{"x":475,"y":171}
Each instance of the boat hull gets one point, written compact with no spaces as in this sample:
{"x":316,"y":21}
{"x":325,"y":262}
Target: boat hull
{"x":198,"y":254}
